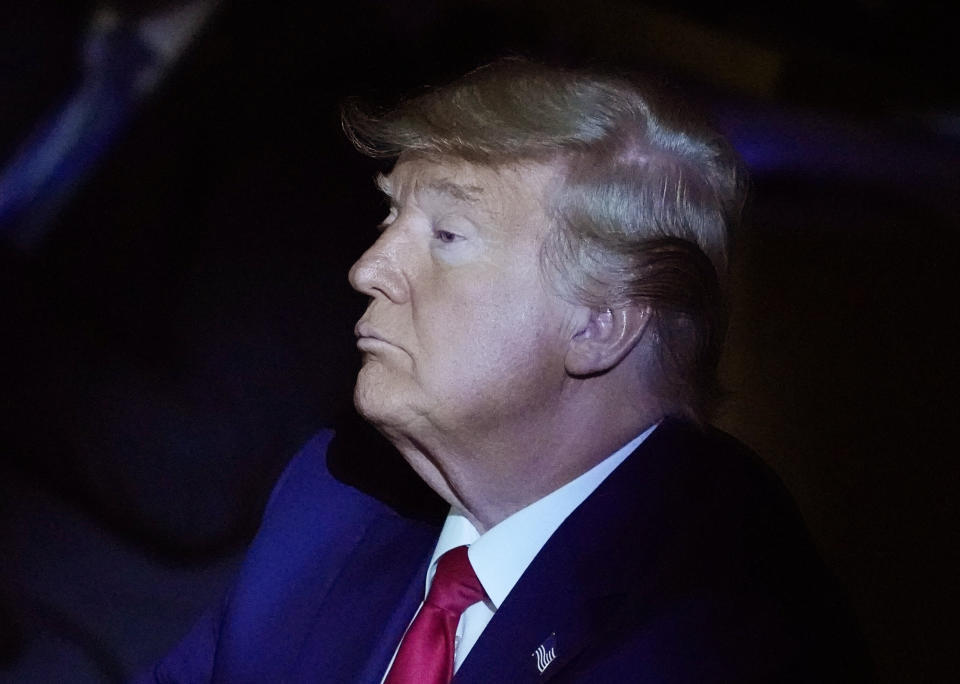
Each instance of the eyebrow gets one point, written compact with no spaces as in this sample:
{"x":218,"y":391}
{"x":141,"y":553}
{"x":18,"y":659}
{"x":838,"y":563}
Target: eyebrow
{"x":470,"y":194}
{"x":463,"y":193}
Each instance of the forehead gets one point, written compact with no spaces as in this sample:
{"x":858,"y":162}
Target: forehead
{"x":496,"y":191}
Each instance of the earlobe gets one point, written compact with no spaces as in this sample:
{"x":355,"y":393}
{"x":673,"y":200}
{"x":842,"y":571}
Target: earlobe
{"x":608,"y":336}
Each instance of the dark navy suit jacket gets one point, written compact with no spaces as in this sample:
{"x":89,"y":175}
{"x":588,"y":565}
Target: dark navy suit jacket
{"x":688,"y":564}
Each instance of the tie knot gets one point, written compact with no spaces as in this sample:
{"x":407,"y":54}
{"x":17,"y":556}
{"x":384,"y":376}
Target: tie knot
{"x":455,"y":586}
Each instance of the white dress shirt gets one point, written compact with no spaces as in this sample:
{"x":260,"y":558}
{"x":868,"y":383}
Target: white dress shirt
{"x":500,"y":555}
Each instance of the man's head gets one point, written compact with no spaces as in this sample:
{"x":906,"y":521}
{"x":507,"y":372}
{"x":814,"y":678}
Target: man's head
{"x":636,"y":202}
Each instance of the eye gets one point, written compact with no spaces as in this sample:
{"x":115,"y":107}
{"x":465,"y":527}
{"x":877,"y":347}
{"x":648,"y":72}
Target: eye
{"x":445,"y":236}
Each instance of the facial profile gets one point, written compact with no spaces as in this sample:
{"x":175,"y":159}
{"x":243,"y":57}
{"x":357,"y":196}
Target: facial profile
{"x":462,"y":332}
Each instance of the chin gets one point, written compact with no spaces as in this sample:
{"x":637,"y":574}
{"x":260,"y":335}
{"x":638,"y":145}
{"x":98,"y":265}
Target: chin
{"x":367,"y":402}
{"x":377,"y":402}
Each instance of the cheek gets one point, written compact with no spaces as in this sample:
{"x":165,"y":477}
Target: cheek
{"x":487,"y":343}
{"x":479,"y":322}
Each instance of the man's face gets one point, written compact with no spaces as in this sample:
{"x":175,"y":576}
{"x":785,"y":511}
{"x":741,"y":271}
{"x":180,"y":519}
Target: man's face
{"x":462,"y":336}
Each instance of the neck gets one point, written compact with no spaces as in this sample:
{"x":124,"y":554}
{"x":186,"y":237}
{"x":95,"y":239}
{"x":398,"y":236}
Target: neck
{"x":491,"y":474}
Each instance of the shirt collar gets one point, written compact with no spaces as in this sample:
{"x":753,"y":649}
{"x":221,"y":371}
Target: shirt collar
{"x":501,"y":554}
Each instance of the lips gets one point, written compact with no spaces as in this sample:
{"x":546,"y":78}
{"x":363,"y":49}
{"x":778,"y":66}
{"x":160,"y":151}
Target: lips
{"x":368,"y":337}
{"x":364,"y":330}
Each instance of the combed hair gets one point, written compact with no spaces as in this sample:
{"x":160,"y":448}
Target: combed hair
{"x":648,"y":199}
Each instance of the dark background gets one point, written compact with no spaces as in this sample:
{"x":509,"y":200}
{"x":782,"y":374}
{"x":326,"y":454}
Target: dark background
{"x":187,"y":324}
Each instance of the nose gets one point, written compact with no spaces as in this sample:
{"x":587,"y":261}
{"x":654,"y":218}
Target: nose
{"x":377,"y":272}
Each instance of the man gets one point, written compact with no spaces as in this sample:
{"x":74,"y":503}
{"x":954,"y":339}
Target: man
{"x":545,"y":320}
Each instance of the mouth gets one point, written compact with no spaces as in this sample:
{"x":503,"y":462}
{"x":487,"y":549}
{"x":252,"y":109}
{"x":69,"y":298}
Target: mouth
{"x":368,"y":338}
{"x":372,"y":344}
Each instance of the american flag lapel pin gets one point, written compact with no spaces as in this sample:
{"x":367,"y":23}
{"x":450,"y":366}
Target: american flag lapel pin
{"x":546,"y":652}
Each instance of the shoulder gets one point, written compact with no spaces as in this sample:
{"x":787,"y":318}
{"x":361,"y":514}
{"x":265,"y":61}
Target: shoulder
{"x":704,"y":479}
{"x":314,"y":523}
{"x":307,"y":492}
{"x":722,"y":581}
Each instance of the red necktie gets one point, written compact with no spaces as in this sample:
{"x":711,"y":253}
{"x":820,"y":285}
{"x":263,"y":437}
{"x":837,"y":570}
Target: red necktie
{"x":426,"y":652}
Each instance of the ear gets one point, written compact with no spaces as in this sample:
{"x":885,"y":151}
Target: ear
{"x":608,"y":336}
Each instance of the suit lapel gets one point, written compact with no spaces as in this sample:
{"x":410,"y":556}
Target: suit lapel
{"x":573,"y":590}
{"x":358,"y":626}
{"x":544,"y":613}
